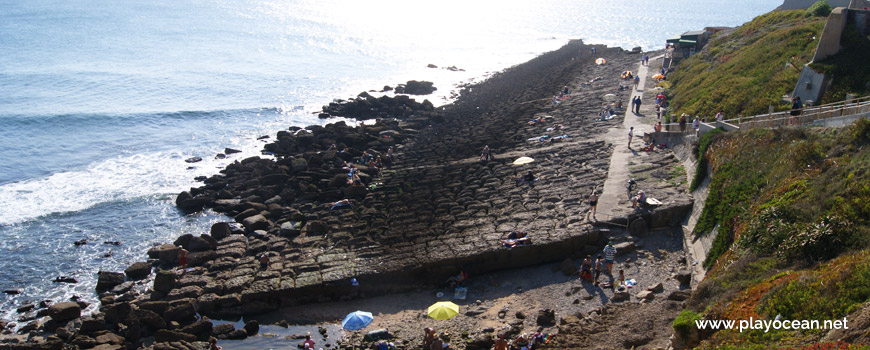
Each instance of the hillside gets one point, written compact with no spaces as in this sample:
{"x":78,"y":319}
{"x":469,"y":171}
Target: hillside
{"x":745,"y":71}
{"x":792,"y":211}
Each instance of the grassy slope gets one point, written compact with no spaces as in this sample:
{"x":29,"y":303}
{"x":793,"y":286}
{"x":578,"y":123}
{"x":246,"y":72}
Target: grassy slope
{"x":745,"y":71}
{"x":794,"y":213}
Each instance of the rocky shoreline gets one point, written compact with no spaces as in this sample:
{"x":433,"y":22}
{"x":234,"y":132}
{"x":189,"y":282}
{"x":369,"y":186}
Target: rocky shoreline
{"x":434,"y":210}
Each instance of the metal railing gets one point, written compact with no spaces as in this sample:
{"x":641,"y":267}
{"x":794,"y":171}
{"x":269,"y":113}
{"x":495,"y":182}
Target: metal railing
{"x":806,"y":116}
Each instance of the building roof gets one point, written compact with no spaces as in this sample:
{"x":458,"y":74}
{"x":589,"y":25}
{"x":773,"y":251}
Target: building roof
{"x":694,"y":32}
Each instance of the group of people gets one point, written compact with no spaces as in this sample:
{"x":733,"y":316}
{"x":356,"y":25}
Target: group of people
{"x":522,"y":342}
{"x":431,"y":340}
{"x":591,"y":270}
{"x":635,"y":104}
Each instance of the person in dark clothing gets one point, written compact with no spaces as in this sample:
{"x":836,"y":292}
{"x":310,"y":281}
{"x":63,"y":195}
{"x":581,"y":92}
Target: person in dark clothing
{"x":529,"y":179}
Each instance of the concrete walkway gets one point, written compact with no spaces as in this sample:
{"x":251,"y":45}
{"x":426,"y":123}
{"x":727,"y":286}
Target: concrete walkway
{"x":613,"y":201}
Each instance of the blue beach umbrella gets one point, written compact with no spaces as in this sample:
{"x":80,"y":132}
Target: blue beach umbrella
{"x":357,"y":320}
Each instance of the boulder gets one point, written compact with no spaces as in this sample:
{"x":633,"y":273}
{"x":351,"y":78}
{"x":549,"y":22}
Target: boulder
{"x":298,"y":164}
{"x":229,"y":151}
{"x":199,"y":244}
{"x":316,"y":227}
{"x":680,"y":295}
{"x":546,"y":318}
{"x":183,"y":241}
{"x":92,"y":324}
{"x":658,"y":288}
{"x":148,"y":318}
{"x":182,"y":313}
{"x":138,"y":270}
{"x":413,"y":87}
{"x":647,"y":295}
{"x":116,"y":313}
{"x":620,"y":296}
{"x":107,"y":280}
{"x":122,"y":288}
{"x":237,"y":334}
{"x":568,"y":267}
{"x":166,"y":253}
{"x":357,"y":192}
{"x":256,"y":222}
{"x":240,"y":217}
{"x":222,"y":329}
{"x":481,"y":342}
{"x":220,"y":230}
{"x":186,"y":202}
{"x":683,"y":276}
{"x":110,"y":338}
{"x":158,"y":306}
{"x":165,"y":336}
{"x":201,"y":329}
{"x":624,"y":248}
{"x":252,"y":327}
{"x":64,"y":311}
{"x":164,"y":281}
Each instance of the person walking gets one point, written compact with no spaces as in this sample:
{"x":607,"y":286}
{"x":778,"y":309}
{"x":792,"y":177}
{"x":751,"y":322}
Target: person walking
{"x":630,"y":135}
{"x":636,"y":81}
{"x":609,"y":254}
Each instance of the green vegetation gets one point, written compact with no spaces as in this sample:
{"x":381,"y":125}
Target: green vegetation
{"x":686,"y":321}
{"x":819,"y":9}
{"x":834,"y":290}
{"x":701,"y":167}
{"x":848,"y":67}
{"x":792,"y":208}
{"x":747,"y":70}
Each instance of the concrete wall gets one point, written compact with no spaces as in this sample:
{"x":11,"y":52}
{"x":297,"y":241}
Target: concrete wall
{"x":804,"y":4}
{"x":810,"y":86}
{"x":829,"y":42}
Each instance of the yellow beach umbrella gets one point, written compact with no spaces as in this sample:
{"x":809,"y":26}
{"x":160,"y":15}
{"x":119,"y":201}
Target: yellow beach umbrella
{"x":443,"y":310}
{"x":600,"y":60}
{"x":523,"y":160}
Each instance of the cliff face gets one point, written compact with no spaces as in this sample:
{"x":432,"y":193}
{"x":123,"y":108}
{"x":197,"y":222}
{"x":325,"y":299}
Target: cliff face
{"x":794,"y":226}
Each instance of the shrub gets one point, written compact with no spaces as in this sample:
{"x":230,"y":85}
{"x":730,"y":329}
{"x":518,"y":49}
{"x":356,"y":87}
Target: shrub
{"x":819,"y":9}
{"x":685,"y":321}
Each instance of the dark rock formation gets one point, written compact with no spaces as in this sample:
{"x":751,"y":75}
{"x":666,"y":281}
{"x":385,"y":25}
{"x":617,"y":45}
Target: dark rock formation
{"x":413,"y":87}
{"x":64,"y":311}
{"x":138,"y":270}
{"x":107,"y":280}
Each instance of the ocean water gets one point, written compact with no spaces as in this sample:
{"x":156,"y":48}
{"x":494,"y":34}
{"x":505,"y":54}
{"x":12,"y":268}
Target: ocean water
{"x":101,"y":102}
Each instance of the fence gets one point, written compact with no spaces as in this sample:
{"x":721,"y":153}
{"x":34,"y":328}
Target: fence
{"x":807,"y":116}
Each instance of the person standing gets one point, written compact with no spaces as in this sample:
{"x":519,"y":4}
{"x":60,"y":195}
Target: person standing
{"x":658,"y":129}
{"x":593,"y":205}
{"x":696,"y":125}
{"x":182,"y":258}
{"x":609,"y":255}
{"x":630,"y":135}
{"x":638,"y":105}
